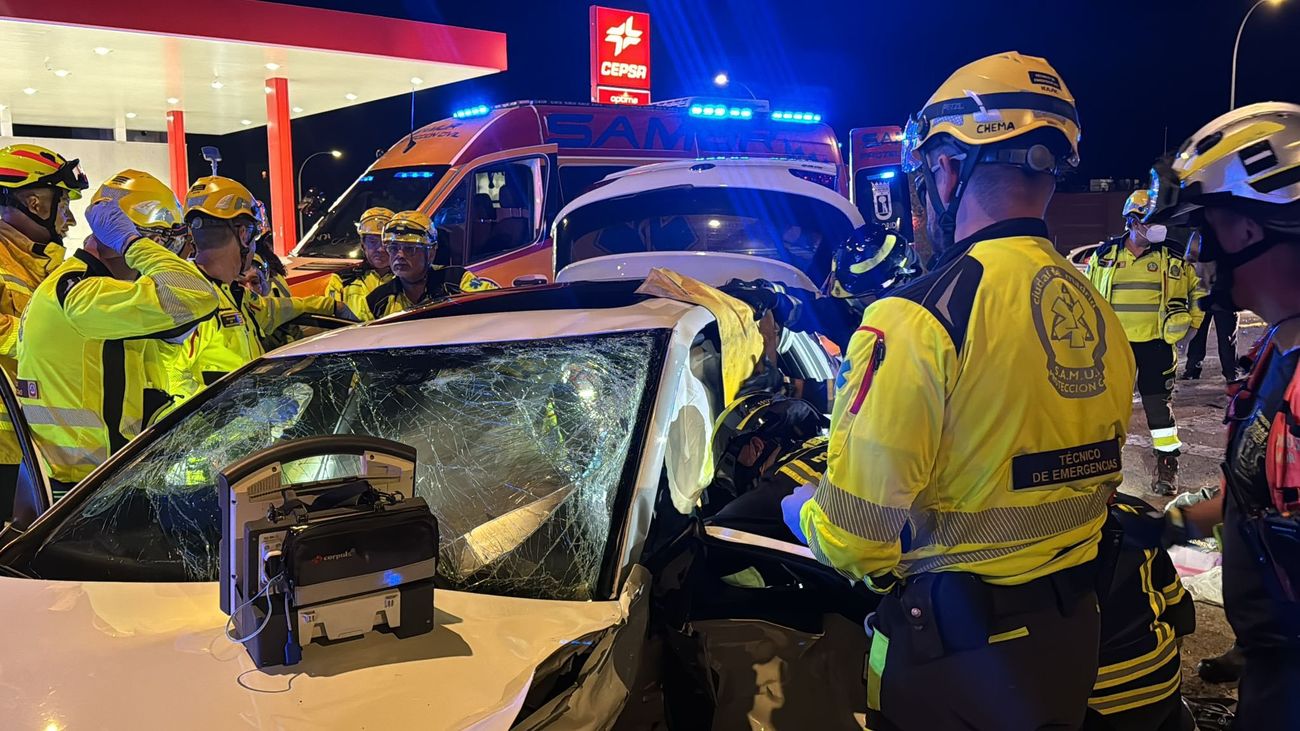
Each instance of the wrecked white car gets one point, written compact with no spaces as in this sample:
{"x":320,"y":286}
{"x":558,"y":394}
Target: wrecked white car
{"x":561,"y":435}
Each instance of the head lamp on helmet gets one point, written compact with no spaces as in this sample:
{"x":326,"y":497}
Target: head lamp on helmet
{"x":1246,"y":161}
{"x":1005,"y":109}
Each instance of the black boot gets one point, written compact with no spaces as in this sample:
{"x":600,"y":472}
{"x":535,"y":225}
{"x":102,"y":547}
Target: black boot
{"x":1225,"y":668}
{"x":1162,"y":483}
{"x":1192,"y":372}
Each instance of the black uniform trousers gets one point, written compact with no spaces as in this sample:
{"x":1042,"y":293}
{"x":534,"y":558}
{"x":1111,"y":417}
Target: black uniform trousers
{"x":1156,"y":362}
{"x":1169,"y":714}
{"x":1225,"y":330}
{"x":957,"y":653}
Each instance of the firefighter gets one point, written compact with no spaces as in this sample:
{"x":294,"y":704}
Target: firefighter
{"x":36,"y":185}
{"x":1236,"y":180}
{"x":412,"y":243}
{"x":85,"y":342}
{"x":765,"y":446}
{"x":374,"y":270}
{"x":977,"y":437}
{"x":1151,"y":287}
{"x":1144,"y":612}
{"x":223,"y":223}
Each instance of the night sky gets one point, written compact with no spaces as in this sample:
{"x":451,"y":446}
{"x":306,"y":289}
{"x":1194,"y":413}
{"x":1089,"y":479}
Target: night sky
{"x":1139,"y":70}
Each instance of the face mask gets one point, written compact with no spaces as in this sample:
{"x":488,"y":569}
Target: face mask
{"x":1157,"y":233}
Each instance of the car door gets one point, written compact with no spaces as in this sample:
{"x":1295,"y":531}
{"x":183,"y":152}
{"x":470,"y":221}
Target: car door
{"x":758,"y":635}
{"x":33,"y":495}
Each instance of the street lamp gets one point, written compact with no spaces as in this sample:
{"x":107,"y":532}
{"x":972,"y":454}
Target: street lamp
{"x":336,"y":154}
{"x":1232,"y":89}
{"x":722,"y":81}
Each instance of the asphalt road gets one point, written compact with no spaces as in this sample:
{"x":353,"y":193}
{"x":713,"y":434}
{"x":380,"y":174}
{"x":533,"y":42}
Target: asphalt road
{"x":1198,"y":410}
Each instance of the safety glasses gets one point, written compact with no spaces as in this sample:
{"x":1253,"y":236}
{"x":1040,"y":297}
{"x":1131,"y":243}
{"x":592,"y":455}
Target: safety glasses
{"x":68,"y":175}
{"x":407,"y":250}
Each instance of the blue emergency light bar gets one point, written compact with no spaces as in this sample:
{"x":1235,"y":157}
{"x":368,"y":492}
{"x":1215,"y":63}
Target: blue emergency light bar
{"x":720,"y":111}
{"x":468,"y":112}
{"x":414,"y":174}
{"x":367,"y":178}
{"x":804,"y":117}
{"x":887,"y":175}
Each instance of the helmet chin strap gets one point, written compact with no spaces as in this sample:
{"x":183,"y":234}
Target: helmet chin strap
{"x":947,"y":214}
{"x":47,"y":223}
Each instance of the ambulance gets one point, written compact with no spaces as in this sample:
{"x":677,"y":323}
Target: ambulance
{"x":879,"y":187}
{"x":493,"y":178}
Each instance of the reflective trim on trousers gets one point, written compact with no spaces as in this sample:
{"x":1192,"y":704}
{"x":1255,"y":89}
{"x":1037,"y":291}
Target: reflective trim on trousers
{"x":62,"y":417}
{"x":1166,"y":440}
{"x":858,"y":516}
{"x":1011,"y":524}
{"x":1111,"y":676}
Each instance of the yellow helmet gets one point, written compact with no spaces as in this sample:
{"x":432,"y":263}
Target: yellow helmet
{"x":1138,"y":204}
{"x":219,"y":197}
{"x":373,"y":220}
{"x":410,"y":227}
{"x":996,"y":99}
{"x":145,"y":199}
{"x":23,"y":166}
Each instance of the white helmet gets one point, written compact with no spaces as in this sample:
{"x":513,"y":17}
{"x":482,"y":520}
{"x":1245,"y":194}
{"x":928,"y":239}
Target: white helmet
{"x":1247,"y":159}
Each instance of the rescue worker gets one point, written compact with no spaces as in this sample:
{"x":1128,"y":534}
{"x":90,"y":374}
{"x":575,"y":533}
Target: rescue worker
{"x":1144,"y":613}
{"x":84,"y":345}
{"x":153,"y":208}
{"x":872,"y":260}
{"x":36,"y":185}
{"x":765,"y":446}
{"x":977,"y":436}
{"x":1236,"y":179}
{"x":1151,"y":288}
{"x":1225,"y":333}
{"x":412,"y":243}
{"x":220,"y":213}
{"x":374,"y":269}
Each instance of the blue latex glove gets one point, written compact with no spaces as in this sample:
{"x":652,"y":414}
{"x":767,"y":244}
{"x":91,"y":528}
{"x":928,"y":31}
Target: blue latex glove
{"x":792,"y":506}
{"x":111,"y":226}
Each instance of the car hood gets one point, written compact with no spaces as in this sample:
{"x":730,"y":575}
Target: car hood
{"x":120,"y":655}
{"x":714,"y":268}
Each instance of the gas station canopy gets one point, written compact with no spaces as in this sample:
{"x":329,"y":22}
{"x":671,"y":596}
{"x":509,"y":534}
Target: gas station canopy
{"x":79,"y":63}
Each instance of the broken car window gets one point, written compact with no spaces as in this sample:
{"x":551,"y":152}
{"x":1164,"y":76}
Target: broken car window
{"x":521,"y":448}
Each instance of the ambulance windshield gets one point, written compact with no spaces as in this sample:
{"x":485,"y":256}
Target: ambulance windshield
{"x":795,"y":229}
{"x":397,"y":189}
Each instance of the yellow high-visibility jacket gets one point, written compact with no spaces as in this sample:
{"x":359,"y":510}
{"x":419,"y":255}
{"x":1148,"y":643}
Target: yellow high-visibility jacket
{"x":236,"y":335}
{"x":978,"y":420}
{"x":389,"y":297}
{"x":24,"y":264}
{"x":1153,"y":294}
{"x":83,"y":347}
{"x":356,"y":291}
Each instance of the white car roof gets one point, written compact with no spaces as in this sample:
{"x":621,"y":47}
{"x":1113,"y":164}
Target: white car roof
{"x":764,"y":174}
{"x":655,"y":313}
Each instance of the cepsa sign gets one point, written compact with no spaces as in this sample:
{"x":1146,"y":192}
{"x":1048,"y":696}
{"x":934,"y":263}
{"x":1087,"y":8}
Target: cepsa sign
{"x":620,"y":56}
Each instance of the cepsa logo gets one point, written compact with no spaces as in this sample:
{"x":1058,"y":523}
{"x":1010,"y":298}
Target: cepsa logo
{"x":620,"y":54}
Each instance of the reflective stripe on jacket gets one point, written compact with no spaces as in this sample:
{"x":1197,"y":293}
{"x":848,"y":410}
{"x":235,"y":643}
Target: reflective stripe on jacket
{"x":1153,"y":294}
{"x":84,"y":346}
{"x":236,"y":334}
{"x":24,"y":264}
{"x":978,"y":422}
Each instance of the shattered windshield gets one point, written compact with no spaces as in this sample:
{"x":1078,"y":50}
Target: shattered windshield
{"x":522,"y":449}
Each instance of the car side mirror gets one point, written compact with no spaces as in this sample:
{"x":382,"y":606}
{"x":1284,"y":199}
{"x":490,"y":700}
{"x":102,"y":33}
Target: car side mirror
{"x":530,"y":280}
